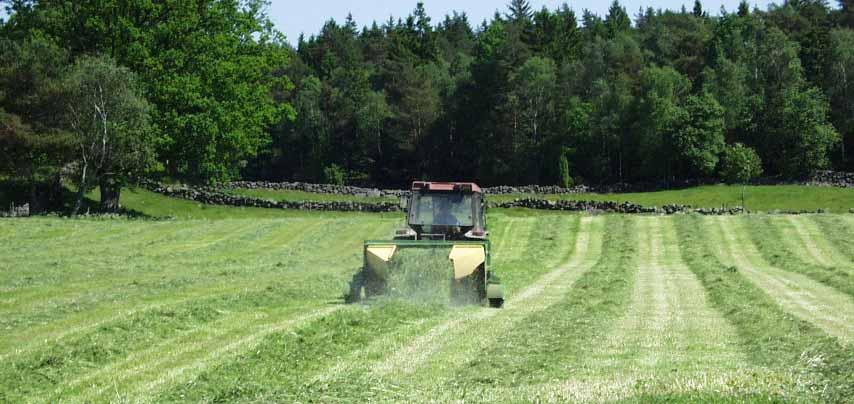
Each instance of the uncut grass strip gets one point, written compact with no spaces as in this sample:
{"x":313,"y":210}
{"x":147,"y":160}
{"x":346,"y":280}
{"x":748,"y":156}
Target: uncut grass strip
{"x":72,"y":292}
{"x":75,"y":236}
{"x":320,"y":277}
{"x":50,"y":332}
{"x":468,"y":340}
{"x":113,"y":343}
{"x":287,"y":364}
{"x":184,"y":371}
{"x":547,"y":343}
{"x":31,"y":339}
{"x":218,"y":233}
{"x":769,"y":334}
{"x":407,"y":359}
{"x":231,"y":253}
{"x":782,"y":247}
{"x":829,"y":309}
{"x":711,"y":387}
{"x":173,"y":356}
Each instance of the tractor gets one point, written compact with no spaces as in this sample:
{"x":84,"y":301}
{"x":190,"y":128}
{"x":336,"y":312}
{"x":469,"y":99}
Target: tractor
{"x":442,"y":216}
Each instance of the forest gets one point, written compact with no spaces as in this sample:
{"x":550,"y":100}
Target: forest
{"x":102,"y":93}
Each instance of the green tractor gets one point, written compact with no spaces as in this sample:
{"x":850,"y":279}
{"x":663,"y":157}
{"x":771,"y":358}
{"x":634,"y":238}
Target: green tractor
{"x":441,"y":216}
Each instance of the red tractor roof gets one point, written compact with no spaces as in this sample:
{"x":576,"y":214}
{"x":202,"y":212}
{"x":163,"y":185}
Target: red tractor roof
{"x":446,"y":186}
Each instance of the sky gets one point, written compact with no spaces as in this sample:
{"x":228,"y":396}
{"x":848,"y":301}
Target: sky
{"x":307,"y":16}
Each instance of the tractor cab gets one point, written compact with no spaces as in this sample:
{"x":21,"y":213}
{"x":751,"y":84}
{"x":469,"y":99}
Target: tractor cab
{"x":444,"y":211}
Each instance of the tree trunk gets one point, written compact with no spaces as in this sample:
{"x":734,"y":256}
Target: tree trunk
{"x":110,"y":195}
{"x":81,"y":190}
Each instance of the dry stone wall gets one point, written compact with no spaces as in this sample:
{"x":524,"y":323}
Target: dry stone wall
{"x":212,"y":196}
{"x":215,"y":196}
{"x":17,"y":211}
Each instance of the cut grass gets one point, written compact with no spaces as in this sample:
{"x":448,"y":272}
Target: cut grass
{"x":355,"y":377}
{"x":242,"y":278}
{"x":828,"y":309}
{"x":770,"y":335}
{"x":600,"y":308}
{"x":790,"y":243}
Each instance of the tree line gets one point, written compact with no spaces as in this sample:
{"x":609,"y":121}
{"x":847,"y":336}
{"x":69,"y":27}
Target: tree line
{"x":209,"y":91}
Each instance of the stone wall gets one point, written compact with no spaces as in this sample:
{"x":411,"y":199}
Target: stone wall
{"x":213,"y":196}
{"x":833,"y":179}
{"x":610,"y":207}
{"x":17,"y":211}
{"x":820,"y":178}
{"x":317,"y":188}
{"x":220,"y":196}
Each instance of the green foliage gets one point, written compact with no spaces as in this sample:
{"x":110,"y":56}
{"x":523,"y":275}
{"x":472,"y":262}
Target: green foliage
{"x":840,"y":88}
{"x":33,"y":144}
{"x":334,"y":174}
{"x":109,"y":123}
{"x":740,"y":164}
{"x":208,"y":67}
{"x":650,"y":100}
{"x":698,"y":134}
{"x":563,"y":169}
{"x":807,"y":137}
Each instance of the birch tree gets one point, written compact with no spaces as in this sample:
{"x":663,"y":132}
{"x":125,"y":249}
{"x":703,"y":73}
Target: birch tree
{"x":108,"y":120}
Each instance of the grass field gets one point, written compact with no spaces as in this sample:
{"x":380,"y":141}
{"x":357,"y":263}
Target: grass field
{"x":247,"y":308}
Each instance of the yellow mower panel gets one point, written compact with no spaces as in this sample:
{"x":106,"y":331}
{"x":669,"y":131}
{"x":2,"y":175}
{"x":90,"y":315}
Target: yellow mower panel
{"x":466,"y":259}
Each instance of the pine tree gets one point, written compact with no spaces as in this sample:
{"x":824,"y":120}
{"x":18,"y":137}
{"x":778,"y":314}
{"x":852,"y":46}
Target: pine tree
{"x":698,"y":9}
{"x":520,"y":11}
{"x":743,"y":9}
{"x":617,"y":20}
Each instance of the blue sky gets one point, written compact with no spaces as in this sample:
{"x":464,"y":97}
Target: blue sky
{"x":307,"y":16}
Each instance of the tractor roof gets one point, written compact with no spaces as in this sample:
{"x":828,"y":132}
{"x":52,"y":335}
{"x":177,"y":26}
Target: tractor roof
{"x":446,"y":186}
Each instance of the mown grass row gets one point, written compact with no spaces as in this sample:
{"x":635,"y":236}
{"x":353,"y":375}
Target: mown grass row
{"x":771,"y":336}
{"x":780,"y":241}
{"x":185,"y":285}
{"x":337,"y":377}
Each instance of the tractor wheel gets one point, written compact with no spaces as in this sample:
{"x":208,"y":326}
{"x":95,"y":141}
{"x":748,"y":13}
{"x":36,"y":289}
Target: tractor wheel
{"x":355,"y":293}
{"x":496,"y":303}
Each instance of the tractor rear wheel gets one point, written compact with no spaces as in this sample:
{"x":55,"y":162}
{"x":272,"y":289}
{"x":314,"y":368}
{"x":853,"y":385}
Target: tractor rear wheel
{"x":496,"y":303}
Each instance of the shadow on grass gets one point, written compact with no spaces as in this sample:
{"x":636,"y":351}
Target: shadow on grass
{"x":17,"y":193}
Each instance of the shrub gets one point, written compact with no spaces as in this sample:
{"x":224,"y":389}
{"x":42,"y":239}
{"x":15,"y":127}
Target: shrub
{"x":334,"y":175}
{"x":563,"y":167}
{"x":740,"y":164}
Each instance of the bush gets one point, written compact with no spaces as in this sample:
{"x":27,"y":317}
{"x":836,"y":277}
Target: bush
{"x":334,"y":175}
{"x":563,"y":167}
{"x":740,"y":164}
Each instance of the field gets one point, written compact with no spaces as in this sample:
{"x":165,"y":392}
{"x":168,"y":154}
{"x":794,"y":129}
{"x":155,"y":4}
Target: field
{"x":247,"y":308}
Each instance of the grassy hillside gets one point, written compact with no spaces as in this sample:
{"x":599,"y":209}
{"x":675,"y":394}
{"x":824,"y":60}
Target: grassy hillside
{"x":599,"y":308}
